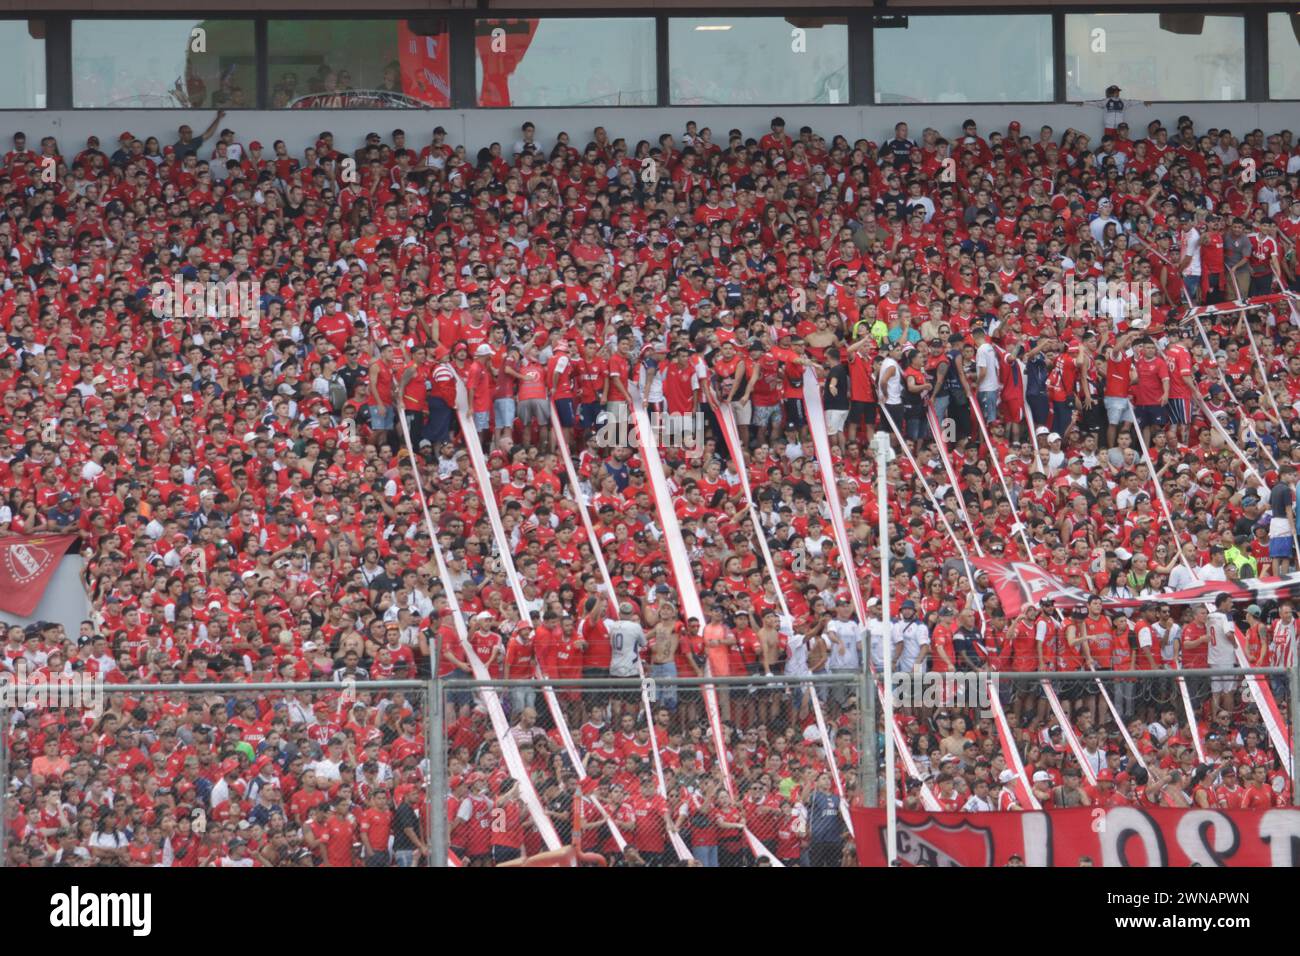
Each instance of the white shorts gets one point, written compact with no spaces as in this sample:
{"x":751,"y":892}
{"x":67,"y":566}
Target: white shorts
{"x":742,"y":412}
{"x":835,"y":419}
{"x":1223,"y":685}
{"x":1118,"y":410}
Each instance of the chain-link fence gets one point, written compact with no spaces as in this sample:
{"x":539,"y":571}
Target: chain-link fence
{"x":1225,"y":728}
{"x":231,"y":775}
{"x":664,"y":771}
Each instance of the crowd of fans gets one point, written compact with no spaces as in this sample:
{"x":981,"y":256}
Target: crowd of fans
{"x":247,"y":509}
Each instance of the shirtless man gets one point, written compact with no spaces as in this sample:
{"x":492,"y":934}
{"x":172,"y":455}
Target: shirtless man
{"x":662,"y":639}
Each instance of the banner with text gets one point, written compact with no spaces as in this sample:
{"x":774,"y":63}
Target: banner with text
{"x":1120,"y":836}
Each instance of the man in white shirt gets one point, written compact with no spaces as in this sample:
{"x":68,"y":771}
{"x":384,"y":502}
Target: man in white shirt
{"x":327,"y":767}
{"x":1216,"y":570}
{"x":1092,"y":752}
{"x":1105,"y":216}
{"x":846,"y":655}
{"x":987,"y":386}
{"x":1222,"y":653}
{"x":979,"y":801}
{"x":1181,"y":578}
{"x":914,"y":636}
{"x":1189,"y":262}
{"x":626,"y":638}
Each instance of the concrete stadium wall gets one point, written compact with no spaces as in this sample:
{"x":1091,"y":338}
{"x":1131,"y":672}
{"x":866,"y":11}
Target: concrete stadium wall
{"x":476,"y":128}
{"x":64,"y":601}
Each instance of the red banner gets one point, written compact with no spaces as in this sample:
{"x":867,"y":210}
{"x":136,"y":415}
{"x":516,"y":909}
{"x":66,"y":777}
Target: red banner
{"x":1121,"y":836}
{"x":27,"y":562}
{"x":501,"y":45}
{"x":1017,"y":583}
{"x":425,"y":65}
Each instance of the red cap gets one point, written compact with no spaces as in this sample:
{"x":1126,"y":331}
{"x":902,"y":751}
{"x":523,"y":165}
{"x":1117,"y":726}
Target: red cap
{"x":126,"y":136}
{"x":255,"y":145}
{"x":1105,"y":776}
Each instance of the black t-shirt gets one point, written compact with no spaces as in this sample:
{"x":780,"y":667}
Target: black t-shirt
{"x":1280,"y":499}
{"x":404,"y":818}
{"x":839,"y":399}
{"x":563,"y":804}
{"x":185,"y":149}
{"x":966,"y":644}
{"x":900,"y":150}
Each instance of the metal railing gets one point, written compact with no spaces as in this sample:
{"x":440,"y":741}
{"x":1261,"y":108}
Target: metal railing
{"x":772,"y":706}
{"x":421,"y":693}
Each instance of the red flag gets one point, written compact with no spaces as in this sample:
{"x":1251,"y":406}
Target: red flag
{"x":501,"y":45}
{"x":27,"y":562}
{"x":425,"y":65}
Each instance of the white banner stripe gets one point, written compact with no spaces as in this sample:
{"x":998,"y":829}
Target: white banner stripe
{"x":732,"y":437}
{"x":1119,"y":723}
{"x":1011,"y":752}
{"x":1067,"y":729}
{"x":1267,"y":704}
{"x":496,"y":715}
{"x":484,"y":481}
{"x":686,"y":591}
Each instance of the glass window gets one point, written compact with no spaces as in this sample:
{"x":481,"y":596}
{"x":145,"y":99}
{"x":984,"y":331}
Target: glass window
{"x":987,"y":59}
{"x":358,"y":64}
{"x":1284,"y":56}
{"x":1155,"y":56}
{"x":565,"y":62}
{"x":739,"y":60}
{"x":22,"y":64}
{"x":163,"y":63}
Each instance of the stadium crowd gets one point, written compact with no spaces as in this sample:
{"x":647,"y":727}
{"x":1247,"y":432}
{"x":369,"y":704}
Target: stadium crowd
{"x":247,"y":508}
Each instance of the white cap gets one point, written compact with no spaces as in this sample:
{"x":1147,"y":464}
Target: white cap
{"x":1006,"y":776}
{"x":483,"y":616}
{"x":1053,"y":437}
{"x":482,"y":350}
{"x":1042,"y":776}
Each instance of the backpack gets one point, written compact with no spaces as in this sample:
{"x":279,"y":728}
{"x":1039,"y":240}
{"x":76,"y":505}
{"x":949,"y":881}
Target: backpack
{"x":952,"y":381}
{"x":1036,"y":376}
{"x":338,"y":393}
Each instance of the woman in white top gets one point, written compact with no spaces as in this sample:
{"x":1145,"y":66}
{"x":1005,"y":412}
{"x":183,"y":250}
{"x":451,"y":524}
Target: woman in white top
{"x":108,"y":844}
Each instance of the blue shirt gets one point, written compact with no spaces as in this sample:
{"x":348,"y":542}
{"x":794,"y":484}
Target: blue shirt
{"x":824,"y":824}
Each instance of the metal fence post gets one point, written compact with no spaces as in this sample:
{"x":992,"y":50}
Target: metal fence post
{"x":867,"y":768}
{"x":4,"y":778}
{"x":1293,"y":713}
{"x":436,"y":750}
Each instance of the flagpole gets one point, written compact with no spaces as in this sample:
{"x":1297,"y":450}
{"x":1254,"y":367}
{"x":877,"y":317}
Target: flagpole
{"x":882,"y":491}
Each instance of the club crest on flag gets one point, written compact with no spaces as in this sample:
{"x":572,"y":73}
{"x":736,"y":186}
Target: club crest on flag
{"x":937,"y":844}
{"x":1018,"y":583}
{"x":26,"y":561}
